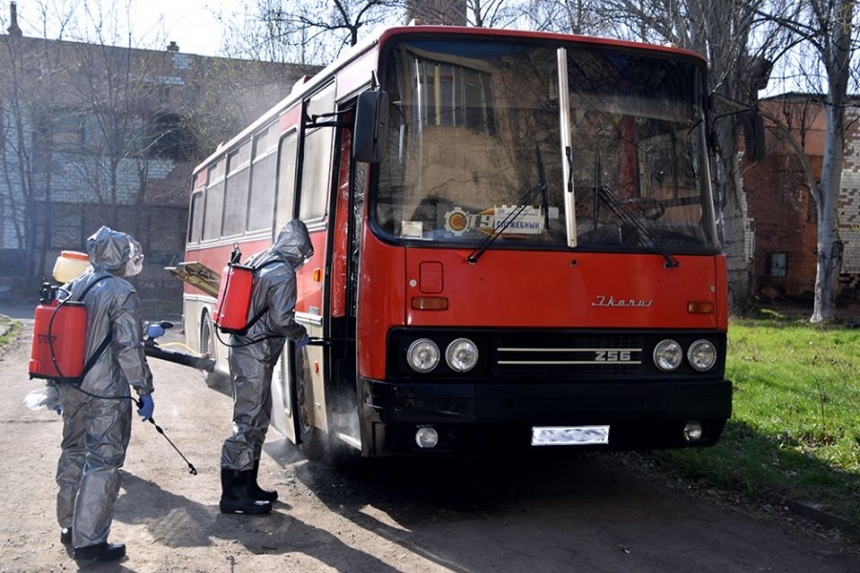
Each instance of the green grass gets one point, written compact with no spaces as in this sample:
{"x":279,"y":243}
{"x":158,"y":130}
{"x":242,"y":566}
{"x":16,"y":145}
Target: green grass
{"x":795,"y":427}
{"x":14,"y":327}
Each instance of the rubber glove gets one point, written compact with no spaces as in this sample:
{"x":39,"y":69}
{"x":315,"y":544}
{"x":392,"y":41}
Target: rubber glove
{"x":57,"y":408}
{"x":304,"y":341}
{"x":154,"y":331}
{"x":147,"y":406}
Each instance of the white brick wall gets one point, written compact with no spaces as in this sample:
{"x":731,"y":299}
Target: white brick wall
{"x":849,"y":200}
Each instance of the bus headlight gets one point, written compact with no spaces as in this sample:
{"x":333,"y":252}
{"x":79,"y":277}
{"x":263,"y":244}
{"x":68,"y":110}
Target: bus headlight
{"x":702,"y":355}
{"x":423,"y":355}
{"x":668,"y":355}
{"x":462,"y":355}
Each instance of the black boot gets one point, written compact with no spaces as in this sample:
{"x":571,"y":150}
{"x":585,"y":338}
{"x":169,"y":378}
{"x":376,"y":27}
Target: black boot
{"x":103,"y":551}
{"x":234,"y":494}
{"x":255,"y":491}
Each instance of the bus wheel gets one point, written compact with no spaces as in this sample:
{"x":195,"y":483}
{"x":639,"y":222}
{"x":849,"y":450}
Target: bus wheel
{"x":207,"y":336}
{"x":316,"y":444}
{"x":215,"y":379}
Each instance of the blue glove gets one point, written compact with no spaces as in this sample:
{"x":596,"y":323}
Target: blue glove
{"x":154,"y":331}
{"x":147,"y":406}
{"x":304,"y":341}
{"x":57,"y":408}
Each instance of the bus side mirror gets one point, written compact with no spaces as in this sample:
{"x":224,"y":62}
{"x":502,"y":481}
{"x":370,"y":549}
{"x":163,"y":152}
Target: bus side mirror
{"x":371,"y":126}
{"x":754,"y":141}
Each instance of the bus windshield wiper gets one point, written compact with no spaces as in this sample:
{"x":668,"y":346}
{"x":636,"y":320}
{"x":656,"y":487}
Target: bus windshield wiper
{"x":524,"y":201}
{"x":645,"y":236}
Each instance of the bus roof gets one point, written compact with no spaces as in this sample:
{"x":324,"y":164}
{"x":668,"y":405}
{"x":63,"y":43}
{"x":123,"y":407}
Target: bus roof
{"x":387,"y":34}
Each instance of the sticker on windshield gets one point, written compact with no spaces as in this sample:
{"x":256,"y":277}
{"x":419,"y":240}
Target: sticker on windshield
{"x":528,"y":222}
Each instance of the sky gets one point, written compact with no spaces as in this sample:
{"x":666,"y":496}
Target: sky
{"x":192,"y":24}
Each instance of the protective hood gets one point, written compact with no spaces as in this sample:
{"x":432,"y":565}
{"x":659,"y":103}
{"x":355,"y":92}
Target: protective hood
{"x":292,"y":246}
{"x":109,"y":250}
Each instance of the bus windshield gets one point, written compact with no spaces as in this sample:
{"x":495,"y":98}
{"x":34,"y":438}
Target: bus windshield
{"x":488,"y":138}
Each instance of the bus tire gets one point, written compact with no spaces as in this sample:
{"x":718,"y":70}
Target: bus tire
{"x":215,"y":379}
{"x":316,"y":444}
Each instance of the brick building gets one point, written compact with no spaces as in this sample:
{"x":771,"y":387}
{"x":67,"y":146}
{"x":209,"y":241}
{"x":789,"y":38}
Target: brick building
{"x":93,"y":134}
{"x":782,"y":212}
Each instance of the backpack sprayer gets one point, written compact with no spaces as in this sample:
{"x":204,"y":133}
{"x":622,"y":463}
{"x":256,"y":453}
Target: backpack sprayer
{"x":234,"y":301}
{"x":59,"y":347}
{"x":59,"y":337}
{"x":234,"y":296}
{"x":57,"y":357}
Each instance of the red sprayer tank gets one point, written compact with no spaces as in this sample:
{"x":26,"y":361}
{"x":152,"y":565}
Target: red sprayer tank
{"x":234,"y":298}
{"x":59,"y":340}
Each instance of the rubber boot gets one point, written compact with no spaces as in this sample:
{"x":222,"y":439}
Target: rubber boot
{"x":255,"y":491}
{"x":234,"y":494}
{"x":103,"y":551}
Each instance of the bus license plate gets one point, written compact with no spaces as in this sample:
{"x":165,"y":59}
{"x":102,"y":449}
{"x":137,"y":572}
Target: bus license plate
{"x":569,"y":435}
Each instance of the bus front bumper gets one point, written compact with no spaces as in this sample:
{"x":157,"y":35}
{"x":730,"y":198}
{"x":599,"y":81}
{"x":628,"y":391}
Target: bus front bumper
{"x":494,"y":418}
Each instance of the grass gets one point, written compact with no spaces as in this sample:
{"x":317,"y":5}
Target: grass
{"x":10,"y":329}
{"x":795,"y":427}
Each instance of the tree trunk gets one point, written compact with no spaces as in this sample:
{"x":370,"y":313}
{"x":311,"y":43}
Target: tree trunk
{"x":732,"y":208}
{"x":830,"y":246}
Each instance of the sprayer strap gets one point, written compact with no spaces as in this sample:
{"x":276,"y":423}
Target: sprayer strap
{"x":258,"y":316}
{"x":92,"y":284}
{"x":92,"y":361}
{"x":104,"y":343}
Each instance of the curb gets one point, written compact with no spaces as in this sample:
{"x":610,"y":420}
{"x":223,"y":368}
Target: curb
{"x":821,"y":514}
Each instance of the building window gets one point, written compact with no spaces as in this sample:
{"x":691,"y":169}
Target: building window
{"x":451,"y":94}
{"x":776,"y":264}
{"x":171,"y":137}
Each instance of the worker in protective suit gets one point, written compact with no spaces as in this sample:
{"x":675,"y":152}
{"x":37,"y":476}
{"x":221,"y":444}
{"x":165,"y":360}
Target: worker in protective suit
{"x":252,"y":360}
{"x":96,"y":410}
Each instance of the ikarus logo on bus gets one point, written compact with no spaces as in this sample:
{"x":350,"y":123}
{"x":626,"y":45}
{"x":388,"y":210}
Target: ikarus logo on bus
{"x":528,"y":221}
{"x":610,"y":301}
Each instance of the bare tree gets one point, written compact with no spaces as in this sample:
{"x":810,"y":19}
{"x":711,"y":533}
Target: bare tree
{"x":316,"y":31}
{"x":584,"y":17}
{"x":738,"y":49}
{"x":307,"y":31}
{"x":30,"y":89}
{"x":828,"y":29}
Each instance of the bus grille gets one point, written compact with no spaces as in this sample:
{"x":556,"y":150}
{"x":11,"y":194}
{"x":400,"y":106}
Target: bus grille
{"x":568,"y":356}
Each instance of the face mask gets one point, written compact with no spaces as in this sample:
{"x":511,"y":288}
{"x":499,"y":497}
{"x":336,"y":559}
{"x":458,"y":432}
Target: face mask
{"x":135,"y":262}
{"x":308,"y":257}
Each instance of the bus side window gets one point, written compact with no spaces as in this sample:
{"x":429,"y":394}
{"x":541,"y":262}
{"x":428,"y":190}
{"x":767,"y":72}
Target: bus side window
{"x":236,"y":191}
{"x":213,"y":208}
{"x":263,"y":168}
{"x":195,"y":219}
{"x":316,"y":170}
{"x":317,"y":157}
{"x":286,"y":179}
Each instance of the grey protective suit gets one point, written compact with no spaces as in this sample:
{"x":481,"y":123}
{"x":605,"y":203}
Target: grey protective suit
{"x":96,"y":431}
{"x":252,"y":363}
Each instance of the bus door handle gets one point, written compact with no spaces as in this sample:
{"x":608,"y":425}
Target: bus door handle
{"x":328,"y":342}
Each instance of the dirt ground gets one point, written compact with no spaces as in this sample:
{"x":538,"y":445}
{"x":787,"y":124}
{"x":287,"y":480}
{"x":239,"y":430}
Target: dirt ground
{"x":588,"y":513}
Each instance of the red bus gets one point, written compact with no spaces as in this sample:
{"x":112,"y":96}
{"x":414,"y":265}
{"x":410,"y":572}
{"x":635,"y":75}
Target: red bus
{"x":515,"y":246}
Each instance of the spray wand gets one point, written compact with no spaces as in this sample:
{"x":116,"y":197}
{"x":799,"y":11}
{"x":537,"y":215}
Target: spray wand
{"x":191,"y":469}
